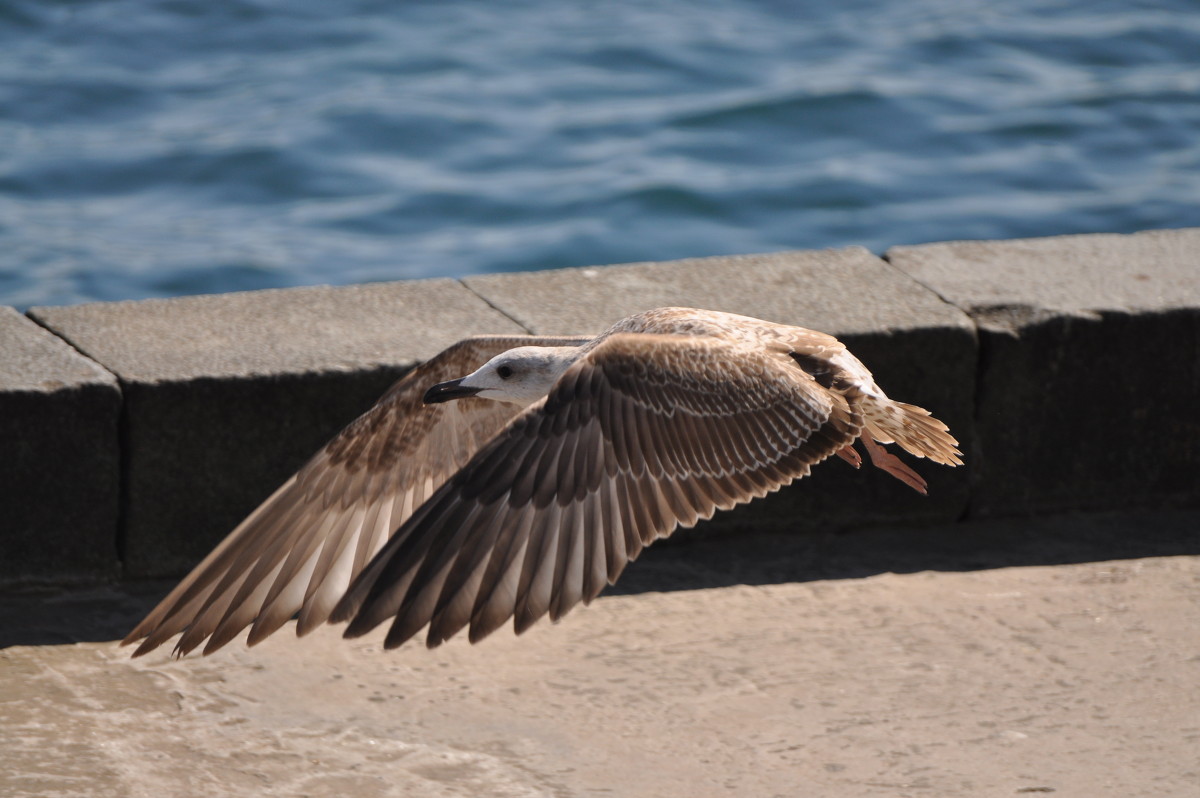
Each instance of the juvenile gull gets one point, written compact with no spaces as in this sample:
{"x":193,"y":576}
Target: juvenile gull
{"x":525,"y":486}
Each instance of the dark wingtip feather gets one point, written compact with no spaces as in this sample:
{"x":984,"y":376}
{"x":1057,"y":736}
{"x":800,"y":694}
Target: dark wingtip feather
{"x":478,"y":633}
{"x":399,"y":634}
{"x":142,"y":650}
{"x":358,"y":626}
{"x":348,"y":605}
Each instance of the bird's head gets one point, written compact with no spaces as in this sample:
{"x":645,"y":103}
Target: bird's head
{"x":519,"y":376}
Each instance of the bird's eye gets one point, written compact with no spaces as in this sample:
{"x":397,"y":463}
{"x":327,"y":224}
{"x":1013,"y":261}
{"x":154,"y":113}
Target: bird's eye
{"x":504,"y":372}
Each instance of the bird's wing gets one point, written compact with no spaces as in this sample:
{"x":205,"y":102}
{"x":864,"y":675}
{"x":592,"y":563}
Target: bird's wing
{"x":643,"y":434}
{"x":301,"y":548}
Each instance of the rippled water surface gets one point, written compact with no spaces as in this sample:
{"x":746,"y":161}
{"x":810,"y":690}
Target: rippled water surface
{"x":163,"y":148}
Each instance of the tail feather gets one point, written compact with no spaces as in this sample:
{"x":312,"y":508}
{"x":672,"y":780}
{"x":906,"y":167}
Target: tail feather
{"x":914,"y":429}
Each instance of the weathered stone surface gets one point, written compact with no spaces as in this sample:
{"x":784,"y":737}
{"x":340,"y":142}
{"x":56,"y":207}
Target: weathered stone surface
{"x":227,"y":395}
{"x":59,"y":463}
{"x":1016,"y":657}
{"x":1090,"y":366}
{"x":921,"y":349}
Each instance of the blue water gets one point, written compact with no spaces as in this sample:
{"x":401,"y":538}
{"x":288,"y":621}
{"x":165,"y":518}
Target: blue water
{"x":165,"y":148}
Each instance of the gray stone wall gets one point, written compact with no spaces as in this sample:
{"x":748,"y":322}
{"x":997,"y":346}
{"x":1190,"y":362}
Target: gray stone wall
{"x":134,"y":435}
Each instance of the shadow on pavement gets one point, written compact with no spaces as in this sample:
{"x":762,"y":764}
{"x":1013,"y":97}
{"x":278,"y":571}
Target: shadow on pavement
{"x":108,"y":613}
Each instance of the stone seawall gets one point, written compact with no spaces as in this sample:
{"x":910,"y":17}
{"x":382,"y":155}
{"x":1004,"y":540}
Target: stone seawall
{"x":136,"y":434}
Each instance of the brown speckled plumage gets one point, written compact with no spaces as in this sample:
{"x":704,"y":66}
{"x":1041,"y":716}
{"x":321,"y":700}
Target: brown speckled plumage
{"x":472,"y":512}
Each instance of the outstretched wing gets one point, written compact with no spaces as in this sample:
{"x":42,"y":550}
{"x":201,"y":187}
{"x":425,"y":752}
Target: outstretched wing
{"x":643,"y":434}
{"x":301,"y":548}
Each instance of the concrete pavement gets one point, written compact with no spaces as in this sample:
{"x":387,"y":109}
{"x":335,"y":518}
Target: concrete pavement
{"x":1056,"y":655}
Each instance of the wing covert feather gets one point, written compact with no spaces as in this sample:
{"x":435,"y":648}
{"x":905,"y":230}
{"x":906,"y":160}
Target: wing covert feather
{"x":643,"y":434}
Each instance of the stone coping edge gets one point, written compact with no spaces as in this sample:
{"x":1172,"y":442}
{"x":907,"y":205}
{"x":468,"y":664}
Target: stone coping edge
{"x":136,"y":434}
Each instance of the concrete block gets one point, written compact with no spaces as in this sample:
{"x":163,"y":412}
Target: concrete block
{"x":227,"y":395}
{"x":921,"y":349}
{"x":59,"y":463}
{"x":1089,"y":378}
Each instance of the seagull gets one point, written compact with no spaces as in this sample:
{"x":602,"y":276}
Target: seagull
{"x":513,"y":477}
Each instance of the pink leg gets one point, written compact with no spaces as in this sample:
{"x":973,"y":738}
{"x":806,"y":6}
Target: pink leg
{"x":892,"y":464}
{"x":850,"y":455}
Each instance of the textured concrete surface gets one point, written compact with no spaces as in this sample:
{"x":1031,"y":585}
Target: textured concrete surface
{"x":1089,"y":366}
{"x":1154,"y":270}
{"x":225,"y":396}
{"x":58,"y":459}
{"x":847,"y":291}
{"x":1056,"y":656}
{"x":921,"y":349}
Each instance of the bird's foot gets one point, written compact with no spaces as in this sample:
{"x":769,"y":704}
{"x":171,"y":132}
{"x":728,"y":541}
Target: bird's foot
{"x":850,"y":455}
{"x":883,"y":459}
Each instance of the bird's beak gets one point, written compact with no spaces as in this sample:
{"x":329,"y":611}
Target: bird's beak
{"x":445,"y":391}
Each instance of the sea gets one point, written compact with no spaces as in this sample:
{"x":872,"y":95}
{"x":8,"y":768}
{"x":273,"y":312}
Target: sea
{"x":153,"y":148}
